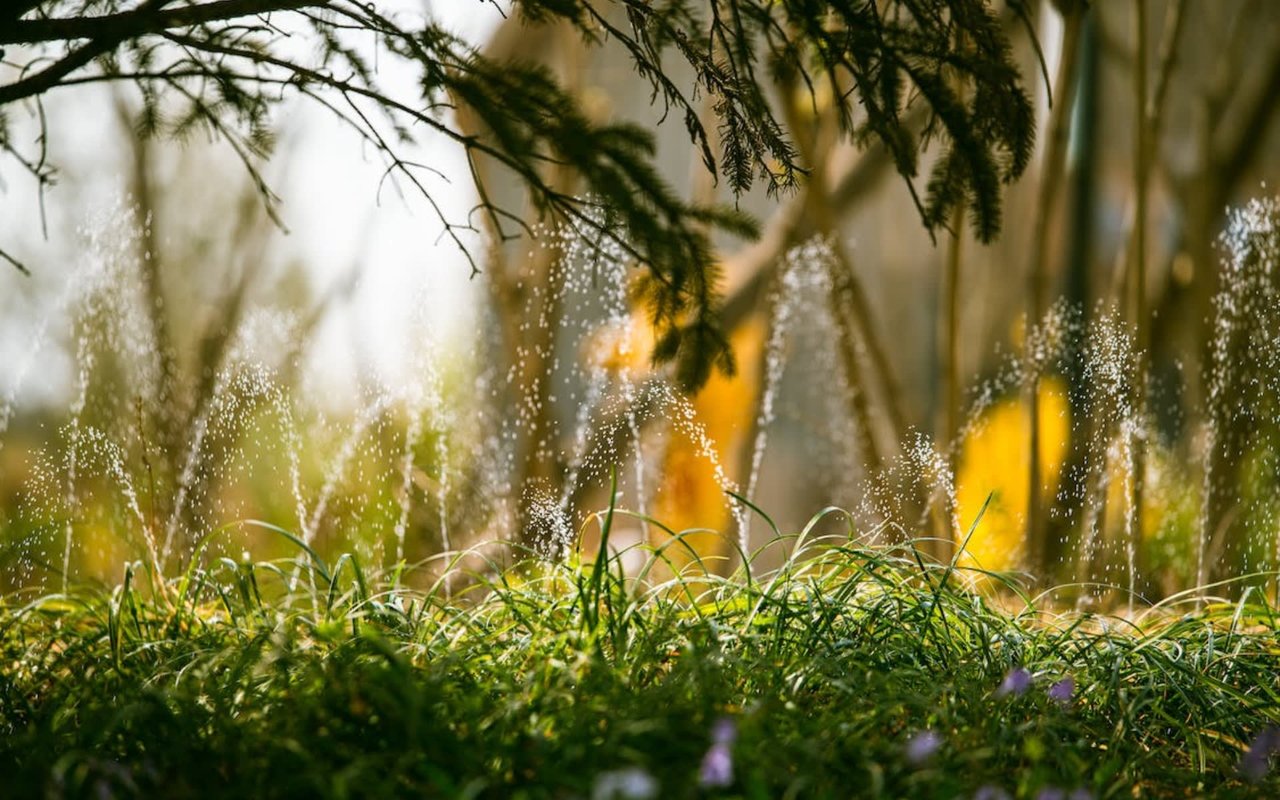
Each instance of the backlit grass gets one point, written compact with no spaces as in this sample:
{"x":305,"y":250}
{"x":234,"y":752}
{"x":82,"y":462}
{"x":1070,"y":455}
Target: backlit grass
{"x":851,"y":671}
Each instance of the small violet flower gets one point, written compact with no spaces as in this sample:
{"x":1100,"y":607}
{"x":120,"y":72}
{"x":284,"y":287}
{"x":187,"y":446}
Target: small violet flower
{"x":922,"y":746}
{"x":1015,"y":683}
{"x":1062,"y":691}
{"x":724,"y":731}
{"x":717,"y":768}
{"x":1256,"y":762}
{"x":631,"y":783}
{"x":717,"y":765}
{"x":990,"y":792}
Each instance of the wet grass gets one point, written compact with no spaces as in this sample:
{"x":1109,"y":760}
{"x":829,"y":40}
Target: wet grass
{"x":851,"y":671}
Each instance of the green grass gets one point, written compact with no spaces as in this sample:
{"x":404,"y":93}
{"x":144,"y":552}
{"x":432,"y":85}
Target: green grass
{"x":253,"y":680}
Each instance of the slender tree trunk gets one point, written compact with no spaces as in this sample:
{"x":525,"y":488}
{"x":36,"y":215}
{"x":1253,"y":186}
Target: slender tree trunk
{"x":847,"y":302}
{"x":538,"y":465}
{"x":1224,"y":532}
{"x":1081,"y":461}
{"x":1050,"y":178}
{"x":948,"y":420}
{"x":524,"y":291}
{"x":1138,"y":295}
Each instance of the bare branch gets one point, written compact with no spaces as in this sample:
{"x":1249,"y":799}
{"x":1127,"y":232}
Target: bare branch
{"x":15,"y":262}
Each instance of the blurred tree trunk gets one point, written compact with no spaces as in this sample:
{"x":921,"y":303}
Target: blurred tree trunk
{"x":815,"y":137}
{"x":1229,"y":144}
{"x":1079,"y":294}
{"x":1041,"y":274}
{"x":194,"y":345}
{"x":152,"y":268}
{"x":858,"y":334}
{"x":523,"y":287}
{"x":1138,"y":309}
{"x":947,"y":426}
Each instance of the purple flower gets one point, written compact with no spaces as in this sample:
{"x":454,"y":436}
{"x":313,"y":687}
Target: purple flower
{"x":922,"y":746}
{"x":1062,"y":691}
{"x":990,"y":792}
{"x":1080,"y":793}
{"x":717,"y":767}
{"x":724,"y":731}
{"x":1015,"y":683}
{"x":1256,"y":762}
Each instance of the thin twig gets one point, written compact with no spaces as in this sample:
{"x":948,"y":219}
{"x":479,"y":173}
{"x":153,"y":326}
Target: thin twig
{"x":16,"y":263}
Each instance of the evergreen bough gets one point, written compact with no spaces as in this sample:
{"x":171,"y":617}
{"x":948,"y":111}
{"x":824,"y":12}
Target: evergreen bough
{"x":220,"y":66}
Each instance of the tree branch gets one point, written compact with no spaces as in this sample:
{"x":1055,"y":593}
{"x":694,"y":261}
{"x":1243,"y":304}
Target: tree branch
{"x":15,"y":262}
{"x":141,"y":21}
{"x":51,"y":76}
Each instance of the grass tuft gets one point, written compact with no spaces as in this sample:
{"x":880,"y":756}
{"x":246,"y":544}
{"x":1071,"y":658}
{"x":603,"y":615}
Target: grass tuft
{"x":850,"y":670}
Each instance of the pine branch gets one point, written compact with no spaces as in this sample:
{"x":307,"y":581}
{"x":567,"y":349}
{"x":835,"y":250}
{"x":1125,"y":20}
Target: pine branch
{"x":141,"y":21}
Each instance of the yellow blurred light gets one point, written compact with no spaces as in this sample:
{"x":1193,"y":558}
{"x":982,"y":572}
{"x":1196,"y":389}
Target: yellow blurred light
{"x":994,"y":460}
{"x":689,"y":496}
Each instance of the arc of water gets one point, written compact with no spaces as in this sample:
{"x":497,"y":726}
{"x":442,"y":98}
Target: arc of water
{"x":412,"y":434}
{"x":685,"y":419}
{"x":364,"y":419}
{"x":73,"y":452}
{"x":190,"y":461}
{"x":633,"y":428}
{"x":115,"y":464}
{"x":775,"y":365}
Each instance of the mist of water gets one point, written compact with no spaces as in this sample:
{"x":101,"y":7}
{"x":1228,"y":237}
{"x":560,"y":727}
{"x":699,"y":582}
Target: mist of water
{"x":448,"y":448}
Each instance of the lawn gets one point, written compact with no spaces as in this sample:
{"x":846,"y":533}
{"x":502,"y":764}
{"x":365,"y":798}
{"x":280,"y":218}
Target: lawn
{"x":850,"y":671}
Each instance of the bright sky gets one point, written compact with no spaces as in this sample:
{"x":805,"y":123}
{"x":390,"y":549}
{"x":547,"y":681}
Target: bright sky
{"x":331,"y":205}
{"x":409,"y":273}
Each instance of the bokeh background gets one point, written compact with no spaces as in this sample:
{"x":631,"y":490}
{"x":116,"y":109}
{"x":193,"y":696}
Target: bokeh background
{"x":179,"y":360}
